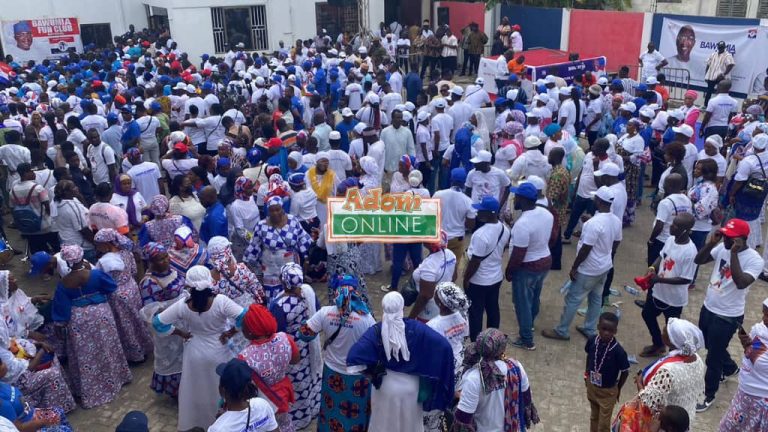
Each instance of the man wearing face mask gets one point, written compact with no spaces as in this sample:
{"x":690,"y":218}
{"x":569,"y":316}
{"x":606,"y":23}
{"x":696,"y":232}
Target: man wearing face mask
{"x":736,"y":268}
{"x":719,"y":65}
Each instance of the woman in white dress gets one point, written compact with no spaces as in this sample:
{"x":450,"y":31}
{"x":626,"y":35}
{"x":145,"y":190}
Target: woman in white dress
{"x":243,"y":215}
{"x":205,"y":316}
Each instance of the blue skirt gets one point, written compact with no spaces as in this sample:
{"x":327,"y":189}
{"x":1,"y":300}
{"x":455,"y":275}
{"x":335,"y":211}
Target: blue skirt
{"x":345,"y":404}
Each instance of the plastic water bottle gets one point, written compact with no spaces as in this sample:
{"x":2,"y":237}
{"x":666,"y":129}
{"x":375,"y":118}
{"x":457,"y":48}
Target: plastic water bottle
{"x":566,"y":287}
{"x":617,"y":311}
{"x":632,"y":290}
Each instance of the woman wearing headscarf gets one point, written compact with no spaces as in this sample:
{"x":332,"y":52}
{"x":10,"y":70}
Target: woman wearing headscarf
{"x":161,"y":287}
{"x":491,"y":379}
{"x":206,"y":316}
{"x":277,"y":240}
{"x":129,"y":199}
{"x":117,"y":261}
{"x":343,"y":324}
{"x":184,"y":201}
{"x":749,"y":407}
{"x":15,"y":407}
{"x":186,"y":252}
{"x":439,"y":266}
{"x":275,"y":187}
{"x":296,"y":163}
{"x":509,"y":145}
{"x":451,"y":323}
{"x":396,"y":355}
{"x":343,"y":258}
{"x":161,"y":228}
{"x":97,"y":368}
{"x":631,"y":148}
{"x":399,"y":182}
{"x":243,"y":215}
{"x":370,"y":253}
{"x":270,"y":355}
{"x":675,"y":379}
{"x":291,"y":308}
{"x":32,"y":368}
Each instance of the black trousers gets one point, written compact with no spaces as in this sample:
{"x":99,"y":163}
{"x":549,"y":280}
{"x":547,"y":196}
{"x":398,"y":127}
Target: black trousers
{"x":429,"y":62}
{"x":711,"y":85}
{"x":652,"y":309}
{"x":449,"y":64}
{"x":654,"y":249}
{"x":485,"y":300}
{"x":474,"y":63}
{"x":718,"y":331}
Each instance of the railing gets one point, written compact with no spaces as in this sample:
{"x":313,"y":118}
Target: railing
{"x":678,"y":81}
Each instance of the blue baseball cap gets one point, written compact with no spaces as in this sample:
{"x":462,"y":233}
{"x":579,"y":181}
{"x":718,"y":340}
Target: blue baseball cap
{"x":512,"y":78}
{"x":134,"y":421}
{"x":458,"y":175}
{"x":500,"y":101}
{"x":234,"y":375}
{"x":38,"y":261}
{"x":525,"y":190}
{"x":642,"y":87}
{"x":112,"y":118}
{"x":488,"y":203}
{"x":204,"y":56}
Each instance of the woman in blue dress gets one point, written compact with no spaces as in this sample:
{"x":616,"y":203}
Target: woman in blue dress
{"x":23,"y":416}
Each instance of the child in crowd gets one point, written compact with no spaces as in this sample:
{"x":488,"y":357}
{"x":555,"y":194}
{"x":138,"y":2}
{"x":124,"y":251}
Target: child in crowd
{"x":606,"y":372}
{"x":673,"y":419}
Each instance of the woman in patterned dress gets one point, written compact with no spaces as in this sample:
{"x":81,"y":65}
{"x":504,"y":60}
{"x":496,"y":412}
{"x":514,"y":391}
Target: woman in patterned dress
{"x":96,"y":364}
{"x":270,"y":354}
{"x":42,"y":387}
{"x":161,"y":228}
{"x":117,"y":261}
{"x":292,"y":307}
{"x":161,"y":287}
{"x":630,"y":147}
{"x":186,"y":252}
{"x":343,"y":393}
{"x":277,"y":240}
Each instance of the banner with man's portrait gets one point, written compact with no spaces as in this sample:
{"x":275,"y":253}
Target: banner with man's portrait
{"x":39,"y":39}
{"x":688,"y":45}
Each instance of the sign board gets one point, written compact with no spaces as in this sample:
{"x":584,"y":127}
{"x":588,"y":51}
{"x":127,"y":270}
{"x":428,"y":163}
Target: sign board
{"x":39,"y":39}
{"x":688,"y":45}
{"x":379,"y":217}
{"x":566,"y":71}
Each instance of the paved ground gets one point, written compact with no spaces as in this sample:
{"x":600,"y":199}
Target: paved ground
{"x":555,"y":368}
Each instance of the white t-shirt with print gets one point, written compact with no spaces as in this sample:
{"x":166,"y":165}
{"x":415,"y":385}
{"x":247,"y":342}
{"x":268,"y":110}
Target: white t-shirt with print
{"x":485,"y":241}
{"x":456,"y":329}
{"x":676,"y":261}
{"x":490,"y":183}
{"x":753,"y":377}
{"x":600,"y":232}
{"x":145,"y":176}
{"x":720,"y":108}
{"x":177,"y":167}
{"x":101,"y":157}
{"x":455,"y":208}
{"x":437,"y":267}
{"x":488,"y":408}
{"x":668,"y":208}
{"x":723,"y":297}
{"x":532,"y":231}
{"x":327,"y":320}
{"x":750,"y":167}
{"x":262,"y":419}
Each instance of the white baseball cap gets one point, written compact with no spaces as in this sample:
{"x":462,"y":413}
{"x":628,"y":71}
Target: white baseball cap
{"x":609,"y":169}
{"x":180,"y":86}
{"x":602,"y":81}
{"x":605,"y":193}
{"x":359,"y":128}
{"x":565,"y":91}
{"x":191,"y":88}
{"x":647,"y":112}
{"x":421,"y":116}
{"x":407,"y":116}
{"x":439,"y":103}
{"x":683,"y":129}
{"x":334,"y":135}
{"x":457,"y":90}
{"x":537,"y":182}
{"x":760,"y":141}
{"x":362,"y":50}
{"x":346,"y":112}
{"x":482,"y":156}
{"x":550,"y":79}
{"x":259,"y":80}
{"x":677,"y":114}
{"x":542,"y":97}
{"x":480,"y":81}
{"x":651,"y":80}
{"x":629,"y":106}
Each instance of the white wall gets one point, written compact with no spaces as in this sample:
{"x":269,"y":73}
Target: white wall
{"x":685,"y":7}
{"x":118,"y":13}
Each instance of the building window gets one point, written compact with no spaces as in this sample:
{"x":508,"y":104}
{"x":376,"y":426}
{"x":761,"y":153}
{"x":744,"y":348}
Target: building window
{"x":336,"y":18}
{"x":732,"y":8}
{"x":762,"y":9}
{"x":234,"y":25}
{"x":100,"y":35}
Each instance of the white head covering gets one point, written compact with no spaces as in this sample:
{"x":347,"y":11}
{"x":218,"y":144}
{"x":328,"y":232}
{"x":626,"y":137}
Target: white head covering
{"x":685,"y":336}
{"x":415,"y":178}
{"x":393,"y":327}
{"x":660,"y":122}
{"x":715,"y":140}
{"x":323,"y":155}
{"x":369,"y":165}
{"x":611,"y":144}
{"x":218,"y":244}
{"x":199,"y":277}
{"x":296,"y":156}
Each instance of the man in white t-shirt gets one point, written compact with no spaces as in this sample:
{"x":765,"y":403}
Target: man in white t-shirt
{"x":719,"y":111}
{"x":150,"y":127}
{"x":456,"y":211}
{"x":566,"y":116}
{"x":251,"y":414}
{"x":600,"y":237}
{"x":483,"y":275}
{"x":338,"y":160}
{"x":669,"y":277}
{"x":674,"y":202}
{"x":102,"y":158}
{"x":486,"y":180}
{"x":651,"y":62}
{"x":145,"y":175}
{"x":736,"y":267}
{"x":442,"y":127}
{"x":529,"y":259}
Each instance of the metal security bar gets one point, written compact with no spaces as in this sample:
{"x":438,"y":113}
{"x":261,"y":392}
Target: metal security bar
{"x":219,"y":37}
{"x":259,"y":27}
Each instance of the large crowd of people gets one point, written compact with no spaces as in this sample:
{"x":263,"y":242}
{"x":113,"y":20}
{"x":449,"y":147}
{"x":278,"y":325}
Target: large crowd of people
{"x":181,"y":206}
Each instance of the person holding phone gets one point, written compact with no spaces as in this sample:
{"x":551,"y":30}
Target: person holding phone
{"x":736,"y":267}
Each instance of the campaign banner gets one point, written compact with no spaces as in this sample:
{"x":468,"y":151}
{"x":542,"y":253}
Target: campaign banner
{"x":688,"y":45}
{"x":39,"y":39}
{"x":569,"y":70}
{"x":380,"y":217}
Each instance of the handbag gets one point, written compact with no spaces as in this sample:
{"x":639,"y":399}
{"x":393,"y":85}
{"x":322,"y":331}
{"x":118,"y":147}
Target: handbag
{"x":633,"y":416}
{"x":756,"y":188}
{"x":410,"y":291}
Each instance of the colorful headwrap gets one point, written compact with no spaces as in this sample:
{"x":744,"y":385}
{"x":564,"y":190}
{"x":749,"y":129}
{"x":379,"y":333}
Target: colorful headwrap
{"x":274,"y":201}
{"x":133,"y":153}
{"x":258,"y":321}
{"x":292,"y":275}
{"x":369,"y":165}
{"x":159,"y":206}
{"x":488,"y":347}
{"x":182,"y":238}
{"x":406,"y":160}
{"x":241,"y":184}
{"x":453,"y":297}
{"x":440,"y":244}
{"x":219,"y":249}
{"x":296,"y":179}
{"x":110,"y":235}
{"x":254,"y":156}
{"x":72,"y":254}
{"x":517,"y":116}
{"x":513,"y":128}
{"x":153,"y":250}
{"x":347,"y":298}
{"x":272,"y":170}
